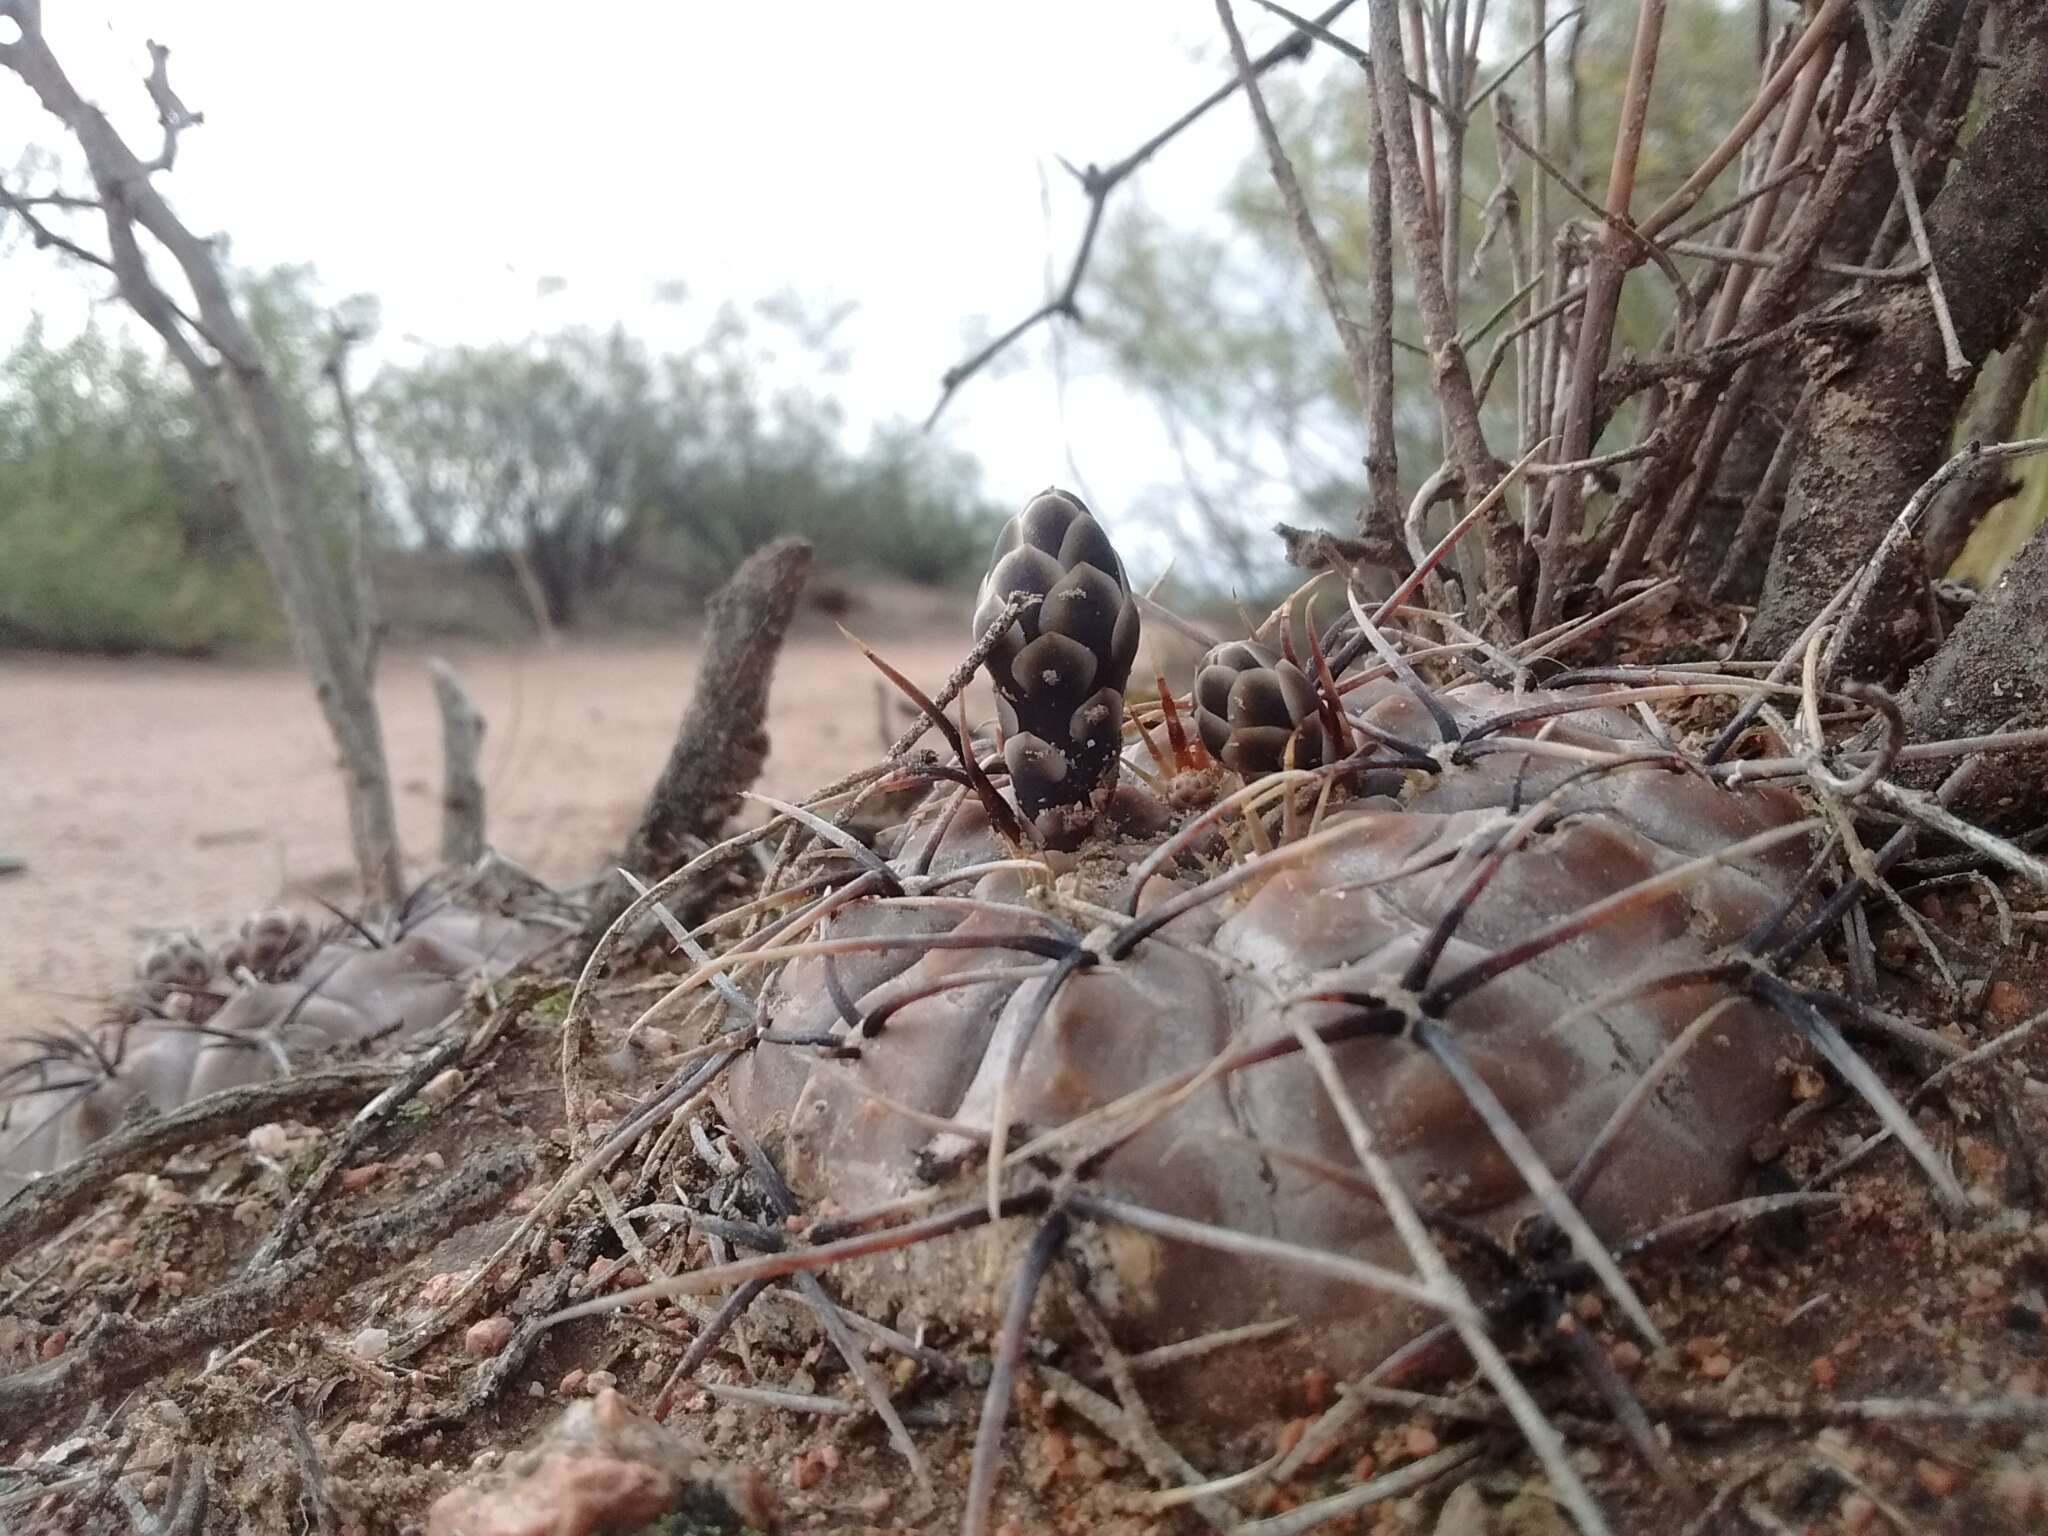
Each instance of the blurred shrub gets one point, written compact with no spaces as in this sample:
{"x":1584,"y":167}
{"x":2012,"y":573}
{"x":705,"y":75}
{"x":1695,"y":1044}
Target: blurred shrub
{"x":115,"y":532}
{"x":579,"y":456}
{"x":569,"y":473}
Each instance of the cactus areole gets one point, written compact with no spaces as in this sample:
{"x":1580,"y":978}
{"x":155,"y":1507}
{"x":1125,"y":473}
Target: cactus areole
{"x":1059,"y":671}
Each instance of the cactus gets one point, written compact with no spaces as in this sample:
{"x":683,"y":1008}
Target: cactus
{"x":1491,"y":961}
{"x":172,"y":964}
{"x":271,"y":945}
{"x":65,"y":1093}
{"x":1257,"y":711}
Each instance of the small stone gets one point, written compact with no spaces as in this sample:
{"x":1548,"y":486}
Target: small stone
{"x":812,"y":1466}
{"x":572,"y":1382}
{"x":2016,"y":1491}
{"x":609,"y":1411}
{"x":370,"y":1344}
{"x":1823,"y":1371}
{"x":363,"y":1177}
{"x":272,"y":1141}
{"x":2005,"y":1002}
{"x":1418,"y":1440}
{"x":1626,"y":1355}
{"x":441,"y":1090}
{"x":53,"y":1346}
{"x":1859,"y":1513}
{"x":1056,"y":1450}
{"x":1364,"y":1467}
{"x":1716,"y":1367}
{"x":1315,"y":1389}
{"x":1938,"y":1478}
{"x":599,"y":1381}
{"x":441,"y":1288}
{"x":487,"y":1336}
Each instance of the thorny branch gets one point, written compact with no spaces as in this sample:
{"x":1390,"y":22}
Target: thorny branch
{"x":1098,"y":184}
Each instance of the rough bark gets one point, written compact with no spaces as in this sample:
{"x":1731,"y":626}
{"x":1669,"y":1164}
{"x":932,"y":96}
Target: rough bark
{"x":1987,"y":677}
{"x":1882,"y":426}
{"x":723,"y":739}
{"x":1861,"y":235}
{"x":462,"y":787}
{"x":251,"y":431}
{"x":1643,"y":508}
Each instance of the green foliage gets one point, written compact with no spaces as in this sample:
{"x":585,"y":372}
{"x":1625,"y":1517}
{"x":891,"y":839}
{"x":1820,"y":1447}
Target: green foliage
{"x":573,"y":464}
{"x":1221,"y":325}
{"x":587,"y":458}
{"x":116,"y":532}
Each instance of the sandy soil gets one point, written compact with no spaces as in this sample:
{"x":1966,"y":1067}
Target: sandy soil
{"x":146,"y":795}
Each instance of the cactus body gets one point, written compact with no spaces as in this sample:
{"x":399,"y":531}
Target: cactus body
{"x":1348,"y":919}
{"x":345,"y":995}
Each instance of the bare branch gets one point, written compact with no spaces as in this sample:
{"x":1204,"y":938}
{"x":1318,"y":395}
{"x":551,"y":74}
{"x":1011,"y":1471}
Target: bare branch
{"x":722,"y":741}
{"x":462,"y":787}
{"x":1370,"y":375}
{"x":1475,"y":461}
{"x":171,"y":114}
{"x":1098,"y":184}
{"x":1612,"y":257}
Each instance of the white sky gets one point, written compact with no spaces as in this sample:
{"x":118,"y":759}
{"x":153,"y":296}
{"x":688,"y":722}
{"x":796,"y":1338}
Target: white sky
{"x":448,"y":155}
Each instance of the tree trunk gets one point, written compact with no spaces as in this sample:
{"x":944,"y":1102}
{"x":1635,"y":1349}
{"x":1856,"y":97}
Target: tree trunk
{"x":1863,"y":234}
{"x":1882,"y":426}
{"x":253,"y":436}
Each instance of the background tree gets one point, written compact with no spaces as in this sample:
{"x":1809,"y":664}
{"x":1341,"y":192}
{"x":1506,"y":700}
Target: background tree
{"x":578,"y":457}
{"x":259,"y":445}
{"x":118,"y":532}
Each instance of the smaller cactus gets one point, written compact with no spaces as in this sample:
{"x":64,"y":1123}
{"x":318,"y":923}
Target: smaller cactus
{"x":1250,"y":702}
{"x":172,"y":964}
{"x":272,"y":944}
{"x":1059,"y":673}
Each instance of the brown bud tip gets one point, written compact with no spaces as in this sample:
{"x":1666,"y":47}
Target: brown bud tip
{"x":271,"y":945}
{"x":1250,"y":702}
{"x":1060,"y":671}
{"x":173,"y":963}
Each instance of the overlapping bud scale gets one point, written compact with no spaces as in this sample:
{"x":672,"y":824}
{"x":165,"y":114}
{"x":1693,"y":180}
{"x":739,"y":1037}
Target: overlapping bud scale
{"x":1060,"y":671}
{"x":1250,"y":703}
